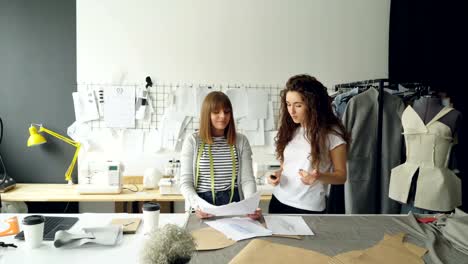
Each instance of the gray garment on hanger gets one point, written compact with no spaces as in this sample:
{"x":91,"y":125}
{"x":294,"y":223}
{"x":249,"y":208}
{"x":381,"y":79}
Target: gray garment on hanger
{"x":364,"y":192}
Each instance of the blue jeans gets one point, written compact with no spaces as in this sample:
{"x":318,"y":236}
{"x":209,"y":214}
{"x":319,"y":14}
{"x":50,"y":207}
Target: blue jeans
{"x":222,"y":197}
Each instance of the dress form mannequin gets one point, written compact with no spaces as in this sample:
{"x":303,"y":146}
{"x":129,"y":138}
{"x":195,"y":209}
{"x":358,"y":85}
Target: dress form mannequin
{"x":427,"y":107}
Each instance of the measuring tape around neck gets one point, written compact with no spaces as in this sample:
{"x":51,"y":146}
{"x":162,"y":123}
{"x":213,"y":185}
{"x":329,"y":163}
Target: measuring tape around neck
{"x":197,"y":173}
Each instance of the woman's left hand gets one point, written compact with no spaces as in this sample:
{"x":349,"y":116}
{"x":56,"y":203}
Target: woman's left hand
{"x":309,"y":178}
{"x":256,"y":215}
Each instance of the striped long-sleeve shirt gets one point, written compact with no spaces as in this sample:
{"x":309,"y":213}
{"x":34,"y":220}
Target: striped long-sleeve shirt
{"x":222,"y":163}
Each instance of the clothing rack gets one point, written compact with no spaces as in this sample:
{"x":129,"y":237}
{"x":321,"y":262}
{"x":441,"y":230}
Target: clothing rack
{"x":380,"y":84}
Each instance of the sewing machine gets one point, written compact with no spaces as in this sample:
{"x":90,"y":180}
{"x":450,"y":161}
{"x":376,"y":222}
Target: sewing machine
{"x":103,"y":177}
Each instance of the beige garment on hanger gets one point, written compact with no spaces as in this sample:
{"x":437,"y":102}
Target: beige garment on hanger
{"x":427,"y":149}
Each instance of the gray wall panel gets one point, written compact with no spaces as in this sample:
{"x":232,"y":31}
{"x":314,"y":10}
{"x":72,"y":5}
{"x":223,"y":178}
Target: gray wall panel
{"x":37,"y":78}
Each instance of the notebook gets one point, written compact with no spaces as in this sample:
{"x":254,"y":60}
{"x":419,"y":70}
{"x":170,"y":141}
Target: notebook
{"x":53,"y":224}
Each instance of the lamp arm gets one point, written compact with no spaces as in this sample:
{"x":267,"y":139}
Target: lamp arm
{"x":57,"y":135}
{"x":68,"y":174}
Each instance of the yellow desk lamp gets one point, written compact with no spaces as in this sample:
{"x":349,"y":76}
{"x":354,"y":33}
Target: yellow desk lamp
{"x":37,"y":139}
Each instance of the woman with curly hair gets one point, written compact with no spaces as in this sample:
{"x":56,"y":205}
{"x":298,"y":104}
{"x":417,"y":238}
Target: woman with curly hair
{"x":311,"y":146}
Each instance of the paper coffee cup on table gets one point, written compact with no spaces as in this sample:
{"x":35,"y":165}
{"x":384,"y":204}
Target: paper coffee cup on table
{"x":33,"y":228}
{"x":150,"y":216}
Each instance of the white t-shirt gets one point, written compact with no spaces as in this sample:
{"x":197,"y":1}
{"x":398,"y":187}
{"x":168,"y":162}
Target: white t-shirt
{"x":291,"y":191}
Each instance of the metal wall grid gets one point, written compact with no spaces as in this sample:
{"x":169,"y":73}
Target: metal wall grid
{"x":159,"y":95}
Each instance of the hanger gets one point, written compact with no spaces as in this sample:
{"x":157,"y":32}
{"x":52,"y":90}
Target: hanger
{"x":431,"y":93}
{"x":425,"y":91}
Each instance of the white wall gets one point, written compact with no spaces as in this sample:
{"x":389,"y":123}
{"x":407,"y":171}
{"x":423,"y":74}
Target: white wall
{"x":220,"y":41}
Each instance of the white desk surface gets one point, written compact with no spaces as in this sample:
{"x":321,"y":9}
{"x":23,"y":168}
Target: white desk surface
{"x":127,"y":251}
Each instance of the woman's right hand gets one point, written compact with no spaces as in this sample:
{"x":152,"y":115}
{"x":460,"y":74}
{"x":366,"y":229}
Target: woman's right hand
{"x":202,"y":215}
{"x":274,"y":179}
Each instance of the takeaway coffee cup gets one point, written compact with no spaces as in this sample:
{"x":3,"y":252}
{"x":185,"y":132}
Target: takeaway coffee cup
{"x":150,"y":216}
{"x":33,"y":228}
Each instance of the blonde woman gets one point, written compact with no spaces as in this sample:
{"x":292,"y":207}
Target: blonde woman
{"x":216,"y":162}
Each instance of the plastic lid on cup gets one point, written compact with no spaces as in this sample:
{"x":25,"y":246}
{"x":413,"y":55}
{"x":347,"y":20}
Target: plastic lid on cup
{"x":151,"y":206}
{"x":33,"y":220}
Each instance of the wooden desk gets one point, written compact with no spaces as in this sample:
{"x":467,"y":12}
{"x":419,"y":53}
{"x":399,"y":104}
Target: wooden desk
{"x":39,"y":192}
